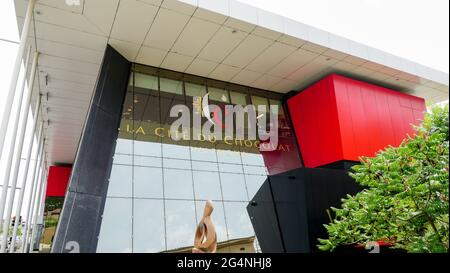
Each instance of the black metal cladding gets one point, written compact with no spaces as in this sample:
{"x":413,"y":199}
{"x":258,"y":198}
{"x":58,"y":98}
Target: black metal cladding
{"x":289,"y":210}
{"x":83,"y":207}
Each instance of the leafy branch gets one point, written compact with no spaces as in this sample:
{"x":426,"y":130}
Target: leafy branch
{"x":405,"y":200}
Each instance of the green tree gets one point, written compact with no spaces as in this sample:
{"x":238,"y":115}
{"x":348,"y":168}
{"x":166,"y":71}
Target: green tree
{"x":405,"y":196}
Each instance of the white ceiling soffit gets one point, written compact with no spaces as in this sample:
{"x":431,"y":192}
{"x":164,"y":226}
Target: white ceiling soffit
{"x":220,"y":39}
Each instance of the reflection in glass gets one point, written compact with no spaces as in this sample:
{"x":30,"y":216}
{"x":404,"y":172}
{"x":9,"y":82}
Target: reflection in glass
{"x":180,"y":223}
{"x":195,"y":90}
{"x":115,"y":232}
{"x":238,"y":98}
{"x":163,"y":183}
{"x":227,"y":156}
{"x":148,"y":226}
{"x":171,"y":86}
{"x":254,"y":182}
{"x":145,"y":81}
{"x":204,"y":166}
{"x":217,"y":94}
{"x":124,"y":146}
{"x":257,"y":101}
{"x":178,"y":184}
{"x":255,"y":170}
{"x":177,"y":163}
{"x":230,"y":168}
{"x":147,"y":161}
{"x":148,"y":182}
{"x":176,"y":151}
{"x":207,"y":185}
{"x":252,"y":159}
{"x":147,"y":148}
{"x":233,"y":187}
{"x":123,"y":159}
{"x":238,"y":221}
{"x":120,"y":181}
{"x":203,"y":154}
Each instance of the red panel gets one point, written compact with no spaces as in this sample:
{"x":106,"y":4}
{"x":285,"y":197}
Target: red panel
{"x":360,"y":127}
{"x":339,"y":118}
{"x":345,"y":124}
{"x":386,"y":135}
{"x":319,"y":134}
{"x":58,"y":178}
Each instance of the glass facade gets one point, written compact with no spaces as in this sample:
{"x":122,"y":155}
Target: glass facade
{"x":158,"y":186}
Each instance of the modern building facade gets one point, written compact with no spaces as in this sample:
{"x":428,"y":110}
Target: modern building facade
{"x":110,"y":71}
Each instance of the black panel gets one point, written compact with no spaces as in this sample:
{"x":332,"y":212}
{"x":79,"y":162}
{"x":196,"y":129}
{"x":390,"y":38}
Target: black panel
{"x":58,"y":242}
{"x":85,"y":214}
{"x":300,"y":201}
{"x":340,"y":165}
{"x":99,"y":141}
{"x":264,"y":219}
{"x":83,"y":207}
{"x":290,"y":200}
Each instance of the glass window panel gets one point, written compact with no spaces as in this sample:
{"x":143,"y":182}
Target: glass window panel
{"x":148,"y":161}
{"x":260,"y":101}
{"x":146,"y":81}
{"x":120,"y":181}
{"x":177,"y":163}
{"x":204,"y":166}
{"x":148,"y":182}
{"x":123,"y":159}
{"x":171,"y":86}
{"x":280,"y":107}
{"x":207,"y":185}
{"x":238,"y":98}
{"x":127,"y":106}
{"x":230,"y":168}
{"x":148,"y":226}
{"x":255,"y":170}
{"x":233,"y":187}
{"x":166,"y":106}
{"x":147,"y":148}
{"x":217,"y":94}
{"x":203,"y":154}
{"x":252,"y":159}
{"x":146,"y":108}
{"x":126,"y":133}
{"x":115,"y":231}
{"x":176,"y":151}
{"x":195,"y":90}
{"x":171,"y":189}
{"x":227,"y":156}
{"x":178,"y":184}
{"x":180,"y":223}
{"x":124,"y":146}
{"x":254,"y":182}
{"x":238,"y":221}
{"x":218,"y":218}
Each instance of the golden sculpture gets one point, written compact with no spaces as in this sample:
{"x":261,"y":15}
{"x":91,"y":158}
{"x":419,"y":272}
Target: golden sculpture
{"x":205,"y":240}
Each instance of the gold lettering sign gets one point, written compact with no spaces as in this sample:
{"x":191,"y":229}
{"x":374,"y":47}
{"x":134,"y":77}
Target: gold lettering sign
{"x":162,"y":132}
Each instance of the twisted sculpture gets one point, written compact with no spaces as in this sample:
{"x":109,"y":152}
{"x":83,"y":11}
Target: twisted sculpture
{"x":205,"y":240}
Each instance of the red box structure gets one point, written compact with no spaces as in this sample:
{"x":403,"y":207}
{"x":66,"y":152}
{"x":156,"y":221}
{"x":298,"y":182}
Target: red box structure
{"x":58,"y":178}
{"x":339,"y":118}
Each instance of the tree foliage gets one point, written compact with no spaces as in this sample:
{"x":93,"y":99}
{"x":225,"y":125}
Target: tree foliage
{"x":405,"y":197}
